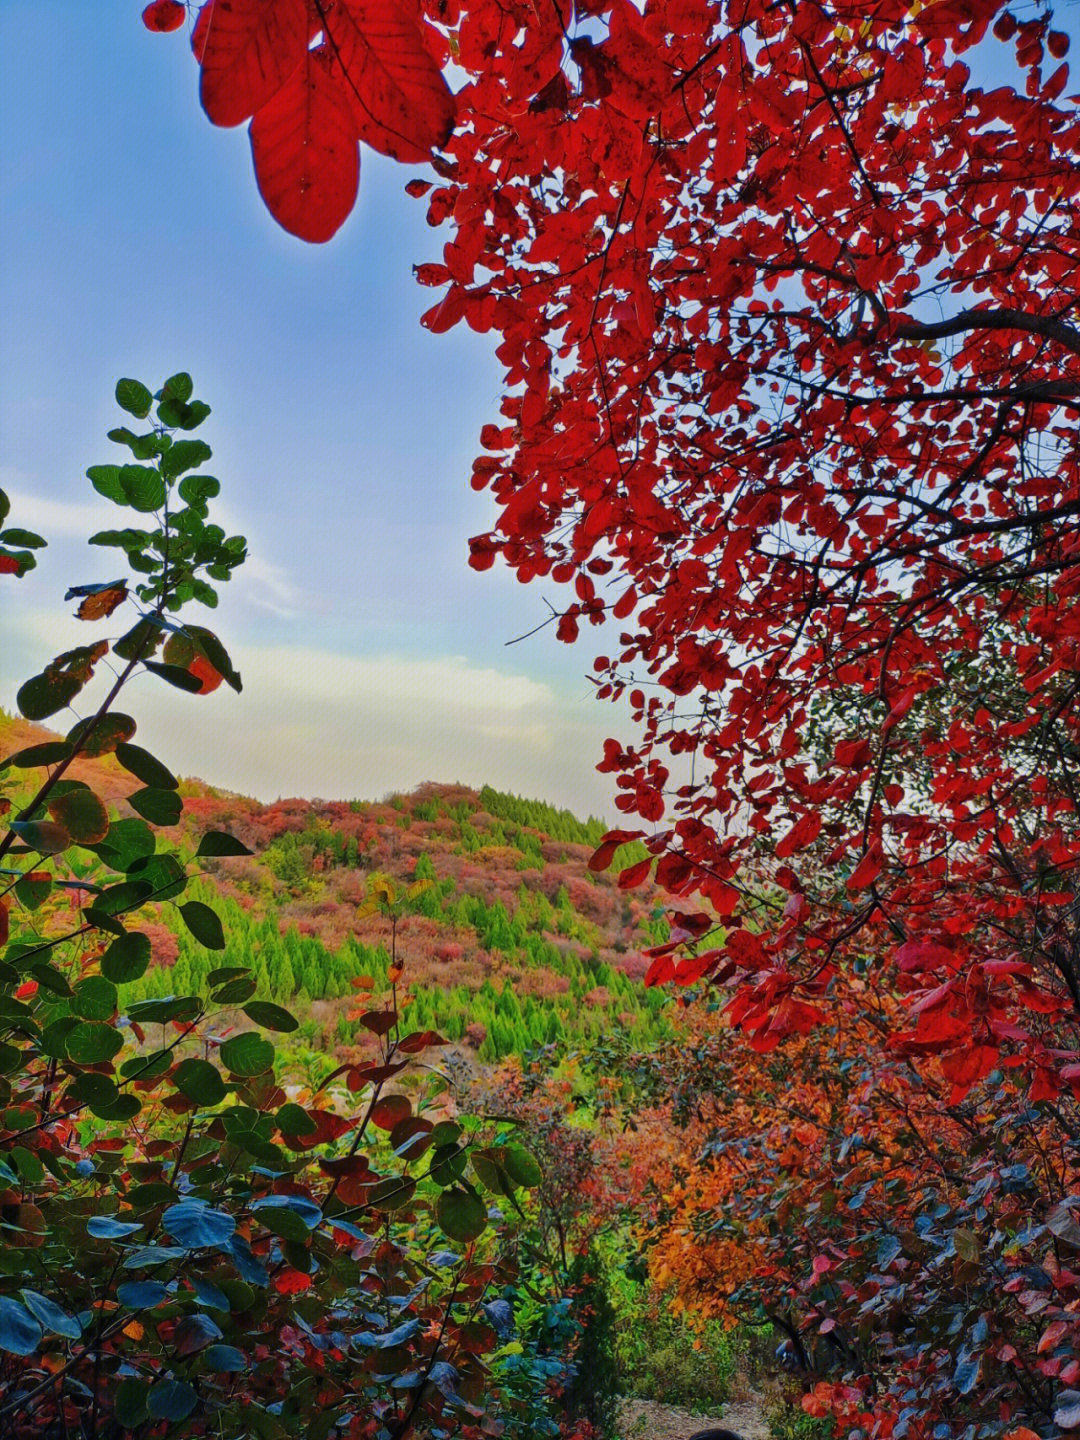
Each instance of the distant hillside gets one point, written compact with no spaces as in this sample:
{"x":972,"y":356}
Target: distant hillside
{"x":501,"y":951}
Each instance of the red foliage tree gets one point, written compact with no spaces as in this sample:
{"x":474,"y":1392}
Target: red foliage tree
{"x":784,"y":298}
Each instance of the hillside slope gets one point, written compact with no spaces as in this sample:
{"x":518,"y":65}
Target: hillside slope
{"x":501,"y":950}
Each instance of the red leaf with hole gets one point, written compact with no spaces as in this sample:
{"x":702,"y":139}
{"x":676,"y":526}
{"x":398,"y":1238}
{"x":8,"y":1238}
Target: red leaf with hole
{"x":303,"y":142}
{"x":248,"y":49}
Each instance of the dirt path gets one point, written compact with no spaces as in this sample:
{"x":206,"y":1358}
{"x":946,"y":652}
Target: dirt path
{"x":646,"y":1420}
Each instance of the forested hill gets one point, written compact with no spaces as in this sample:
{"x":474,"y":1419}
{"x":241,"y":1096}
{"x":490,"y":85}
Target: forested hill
{"x":501,"y":949}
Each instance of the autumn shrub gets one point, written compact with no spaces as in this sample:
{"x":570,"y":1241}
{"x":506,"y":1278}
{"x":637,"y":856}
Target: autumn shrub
{"x":186,"y":1246}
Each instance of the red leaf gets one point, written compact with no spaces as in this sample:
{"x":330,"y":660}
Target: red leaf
{"x":635,"y":874}
{"x":204,"y":671}
{"x":249,"y":49}
{"x":164,"y":15}
{"x":304,"y":146}
{"x":387,"y":1112}
{"x":867,"y":870}
{"x":419,"y":1040}
{"x":399,"y":101}
{"x":9,"y":565}
{"x":292,"y":1282}
{"x":804,"y":832}
{"x":602,"y":856}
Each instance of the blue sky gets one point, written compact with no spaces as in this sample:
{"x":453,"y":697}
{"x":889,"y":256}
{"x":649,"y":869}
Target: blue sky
{"x":134,"y":243}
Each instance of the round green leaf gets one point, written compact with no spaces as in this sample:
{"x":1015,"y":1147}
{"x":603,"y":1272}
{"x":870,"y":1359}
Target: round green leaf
{"x":93,"y":1089}
{"x":94,"y":998}
{"x":160,"y":807}
{"x":43,"y":695}
{"x":135,"y":398}
{"x":126,"y":842}
{"x":461,"y":1214}
{"x":203,"y":924}
{"x":127,"y":958}
{"x":247,"y":1054}
{"x":178,"y":387}
{"x":194,"y":1225}
{"x":103,"y":736}
{"x":184,"y":455}
{"x":200,"y":1081}
{"x":270,"y":1017}
{"x":521,"y":1166}
{"x":130,"y":1405}
{"x":171,"y":1400}
{"x":146,"y":767}
{"x":163,"y":873}
{"x":83,"y":814}
{"x":144,"y":489}
{"x":50,"y":1315}
{"x":106,"y":481}
{"x":392,"y":1194}
{"x":91,"y":1042}
{"x":51,"y":753}
{"x":20,"y":1333}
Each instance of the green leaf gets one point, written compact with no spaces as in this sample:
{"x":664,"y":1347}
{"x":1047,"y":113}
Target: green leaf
{"x":225,"y":1358}
{"x":194,"y":1225}
{"x":184,"y":455}
{"x":203,"y":924}
{"x":193,"y":415}
{"x":45,"y":836}
{"x":200,"y":1081}
{"x":164,"y":874}
{"x":284,"y":1222}
{"x":118,"y":899}
{"x":130,"y":1404}
{"x":106,"y":481}
{"x":83,"y":814}
{"x":94,"y":1089}
{"x":461,"y":1214}
{"x":5,"y":507}
{"x":217,"y":842}
{"x":197,"y":489}
{"x":101,"y":920}
{"x":271,"y":1017}
{"x":182,"y":679}
{"x":51,"y":753}
{"x":143,"y":488}
{"x":216,"y":653}
{"x":94,"y":998}
{"x":392,"y":1194}
{"x":178,"y":387}
{"x":102,"y":734}
{"x":43,"y":695}
{"x":91,"y":1042}
{"x":20,"y":1333}
{"x":160,"y":807}
{"x":171,"y":1400}
{"x":140,"y":641}
{"x":23,"y":537}
{"x":126,"y":842}
{"x":127,"y":958}
{"x":34,"y":888}
{"x":160,"y":1012}
{"x":134,"y":397}
{"x":247,"y":1054}
{"x":50,"y":1315}
{"x":521,"y":1166}
{"x":146,"y":767}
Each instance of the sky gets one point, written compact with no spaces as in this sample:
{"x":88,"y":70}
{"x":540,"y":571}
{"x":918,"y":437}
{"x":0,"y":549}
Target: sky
{"x":134,"y":243}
